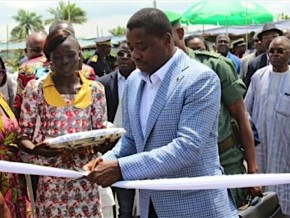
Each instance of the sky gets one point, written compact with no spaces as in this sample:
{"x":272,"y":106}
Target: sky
{"x":104,"y":15}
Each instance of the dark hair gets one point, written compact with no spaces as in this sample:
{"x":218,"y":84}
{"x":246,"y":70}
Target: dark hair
{"x":188,"y":38}
{"x":61,"y":24}
{"x":4,"y":68}
{"x":153,"y":20}
{"x":2,"y":64}
{"x":54,"y":39}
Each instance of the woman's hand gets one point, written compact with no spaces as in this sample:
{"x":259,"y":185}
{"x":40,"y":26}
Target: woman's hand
{"x":44,"y":150}
{"x":106,"y":146}
{"x":40,"y":149}
{"x":4,"y":210}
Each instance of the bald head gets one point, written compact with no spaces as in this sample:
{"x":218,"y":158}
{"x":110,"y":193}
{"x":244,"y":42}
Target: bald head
{"x":223,"y":44}
{"x":34,"y":44}
{"x":286,"y":32}
{"x":279,"y":53}
{"x":281,"y":40}
{"x":223,"y":36}
{"x":61,"y":24}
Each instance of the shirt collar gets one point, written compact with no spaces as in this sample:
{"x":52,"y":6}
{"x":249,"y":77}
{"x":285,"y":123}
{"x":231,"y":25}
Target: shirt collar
{"x":52,"y":96}
{"x":161,"y":72}
{"x":120,"y":76}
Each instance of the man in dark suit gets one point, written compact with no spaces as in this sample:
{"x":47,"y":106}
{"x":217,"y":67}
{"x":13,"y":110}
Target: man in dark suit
{"x":268,"y":33}
{"x":114,"y":84}
{"x":258,"y":49}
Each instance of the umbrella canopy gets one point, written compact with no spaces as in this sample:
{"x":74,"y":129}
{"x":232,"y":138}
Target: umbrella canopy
{"x":175,"y":17}
{"x":227,"y":13}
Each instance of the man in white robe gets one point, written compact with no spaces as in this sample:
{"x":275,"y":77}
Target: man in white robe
{"x":268,"y":102}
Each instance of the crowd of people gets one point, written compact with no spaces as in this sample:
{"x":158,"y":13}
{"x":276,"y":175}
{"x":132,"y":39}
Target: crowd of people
{"x":189,"y":107}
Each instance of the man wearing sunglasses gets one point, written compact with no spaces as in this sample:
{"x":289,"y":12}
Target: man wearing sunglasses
{"x":115,"y":82}
{"x":259,"y":49}
{"x":35,"y":59}
{"x":114,"y":85}
{"x":268,"y":103}
{"x":268,"y":33}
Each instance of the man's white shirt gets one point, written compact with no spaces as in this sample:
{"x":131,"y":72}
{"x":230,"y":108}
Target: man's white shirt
{"x":152,"y":84}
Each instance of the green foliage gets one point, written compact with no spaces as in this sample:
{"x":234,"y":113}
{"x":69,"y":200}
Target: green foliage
{"x":12,"y":58}
{"x":87,"y":54}
{"x":283,"y":16}
{"x":28,"y":22}
{"x":68,"y":12}
{"x":118,"y":31}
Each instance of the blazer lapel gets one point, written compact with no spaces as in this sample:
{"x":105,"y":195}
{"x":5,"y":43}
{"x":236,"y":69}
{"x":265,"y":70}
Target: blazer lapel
{"x":170,"y":81}
{"x":114,"y":88}
{"x":136,"y":113}
{"x":264,"y":60}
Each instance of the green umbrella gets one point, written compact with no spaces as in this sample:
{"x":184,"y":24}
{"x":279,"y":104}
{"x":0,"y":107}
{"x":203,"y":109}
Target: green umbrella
{"x":175,"y":17}
{"x":227,"y":13}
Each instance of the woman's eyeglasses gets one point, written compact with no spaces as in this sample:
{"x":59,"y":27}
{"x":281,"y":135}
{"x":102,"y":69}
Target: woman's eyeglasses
{"x":122,"y":54}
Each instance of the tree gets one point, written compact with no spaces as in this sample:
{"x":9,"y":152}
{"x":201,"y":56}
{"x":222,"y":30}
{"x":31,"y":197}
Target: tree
{"x":118,"y":31}
{"x":28,"y":22}
{"x":283,"y":16}
{"x":68,"y":12}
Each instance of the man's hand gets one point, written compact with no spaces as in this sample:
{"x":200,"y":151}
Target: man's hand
{"x":254,"y":191}
{"x":106,"y":173}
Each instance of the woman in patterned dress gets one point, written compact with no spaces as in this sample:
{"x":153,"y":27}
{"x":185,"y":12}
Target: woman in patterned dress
{"x":65,"y":102}
{"x":12,"y":186}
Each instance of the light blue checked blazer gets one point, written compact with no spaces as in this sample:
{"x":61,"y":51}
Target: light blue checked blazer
{"x":180,"y":141}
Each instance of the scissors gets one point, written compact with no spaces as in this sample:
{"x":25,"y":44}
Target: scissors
{"x":82,"y":171}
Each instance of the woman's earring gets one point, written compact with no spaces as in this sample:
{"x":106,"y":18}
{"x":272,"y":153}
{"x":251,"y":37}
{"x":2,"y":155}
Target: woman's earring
{"x":80,"y":63}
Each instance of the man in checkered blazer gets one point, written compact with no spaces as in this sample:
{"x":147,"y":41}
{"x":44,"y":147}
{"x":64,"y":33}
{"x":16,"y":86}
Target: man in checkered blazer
{"x":171,"y":107}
